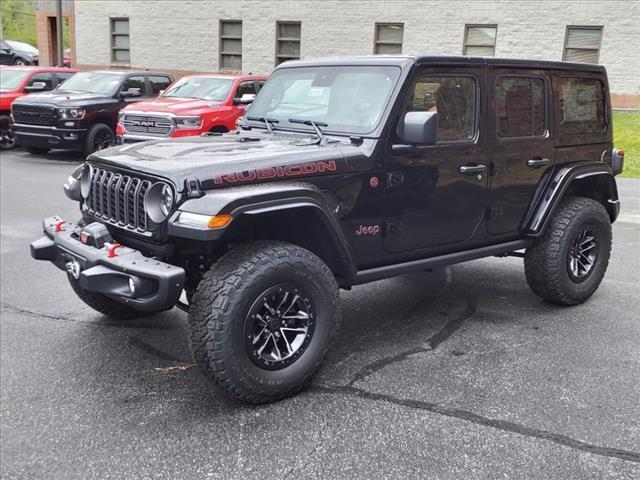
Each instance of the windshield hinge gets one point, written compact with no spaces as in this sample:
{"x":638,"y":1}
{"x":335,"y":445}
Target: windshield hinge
{"x":194,"y":190}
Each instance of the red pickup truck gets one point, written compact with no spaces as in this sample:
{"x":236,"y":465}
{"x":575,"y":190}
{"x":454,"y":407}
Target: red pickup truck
{"x":193,"y":105}
{"x":16,"y":82}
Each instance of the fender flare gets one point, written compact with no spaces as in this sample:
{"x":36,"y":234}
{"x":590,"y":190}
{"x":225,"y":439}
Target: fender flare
{"x":552,"y":191}
{"x":254,"y":200}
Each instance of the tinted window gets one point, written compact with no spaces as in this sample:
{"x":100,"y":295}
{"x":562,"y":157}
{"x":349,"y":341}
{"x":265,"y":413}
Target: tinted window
{"x":520,"y":107}
{"x":62,"y":76}
{"x":453,"y":98}
{"x":47,"y":78}
{"x":245,"y":88}
{"x":581,"y":106}
{"x":134,"y":83}
{"x":158,"y":84}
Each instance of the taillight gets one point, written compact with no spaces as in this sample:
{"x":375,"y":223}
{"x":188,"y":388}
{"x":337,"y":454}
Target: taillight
{"x":617,"y":161}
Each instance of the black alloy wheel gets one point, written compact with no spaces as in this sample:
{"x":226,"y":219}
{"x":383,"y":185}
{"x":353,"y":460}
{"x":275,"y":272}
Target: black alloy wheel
{"x":582,"y":255}
{"x":7,"y":137}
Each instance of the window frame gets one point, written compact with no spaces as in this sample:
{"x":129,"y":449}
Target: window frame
{"x":582,"y":27}
{"x":221,"y":37}
{"x":281,"y":58}
{"x":377,"y":42}
{"x":547,"y":107}
{"x":467,"y":26}
{"x":475,"y":138}
{"x":113,"y":33}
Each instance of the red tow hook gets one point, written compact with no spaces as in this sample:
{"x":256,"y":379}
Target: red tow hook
{"x":58,"y":226}
{"x":111,"y":252}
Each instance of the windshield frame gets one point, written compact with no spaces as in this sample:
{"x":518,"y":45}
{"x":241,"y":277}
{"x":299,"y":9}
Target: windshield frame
{"x":374,"y":132}
{"x":195,"y":77}
{"x":121,"y":76}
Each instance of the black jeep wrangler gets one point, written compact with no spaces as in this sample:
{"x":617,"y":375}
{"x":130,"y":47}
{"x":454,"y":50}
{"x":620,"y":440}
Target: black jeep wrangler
{"x":82,"y":113}
{"x":345,"y":171}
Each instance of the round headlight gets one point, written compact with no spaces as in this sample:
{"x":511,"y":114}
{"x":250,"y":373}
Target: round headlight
{"x":158,"y":201}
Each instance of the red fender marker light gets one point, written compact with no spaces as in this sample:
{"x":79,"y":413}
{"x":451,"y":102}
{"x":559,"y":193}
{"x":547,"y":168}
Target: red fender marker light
{"x":111,"y":252}
{"x":58,"y":226}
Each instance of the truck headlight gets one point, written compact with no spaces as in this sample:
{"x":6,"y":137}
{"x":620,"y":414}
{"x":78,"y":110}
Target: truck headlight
{"x":188,"y":123}
{"x":71,"y":113}
{"x":158,"y":201}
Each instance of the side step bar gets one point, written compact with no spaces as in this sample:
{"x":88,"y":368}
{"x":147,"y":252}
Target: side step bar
{"x":388,"y":271}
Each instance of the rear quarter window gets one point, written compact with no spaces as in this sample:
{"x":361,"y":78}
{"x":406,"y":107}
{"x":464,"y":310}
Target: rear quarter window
{"x":582,"y":106}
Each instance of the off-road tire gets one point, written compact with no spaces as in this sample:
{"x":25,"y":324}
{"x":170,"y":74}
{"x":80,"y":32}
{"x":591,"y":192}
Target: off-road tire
{"x":106,"y":305}
{"x":95,"y":132}
{"x":546,"y":262}
{"x":37,"y":150}
{"x":222,"y":303}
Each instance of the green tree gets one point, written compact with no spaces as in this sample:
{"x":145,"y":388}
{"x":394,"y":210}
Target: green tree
{"x":19,"y":20}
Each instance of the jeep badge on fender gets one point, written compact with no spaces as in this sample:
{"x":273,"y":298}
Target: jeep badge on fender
{"x":342,"y":172}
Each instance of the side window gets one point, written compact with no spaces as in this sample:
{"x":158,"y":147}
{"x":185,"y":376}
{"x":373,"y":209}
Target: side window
{"x":453,"y":98}
{"x":244,"y":88}
{"x":520,"y":107}
{"x":582,"y":109}
{"x":62,"y":76}
{"x":158,"y":84}
{"x":134,"y":83}
{"x":47,"y":78}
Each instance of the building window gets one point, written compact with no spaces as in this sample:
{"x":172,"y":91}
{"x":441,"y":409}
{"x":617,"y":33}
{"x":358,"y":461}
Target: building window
{"x":388,"y":38}
{"x":230,"y":45}
{"x":287,"y":41}
{"x":120,"y":40}
{"x":480,"y":40}
{"x":520,"y":107}
{"x":582,"y":44}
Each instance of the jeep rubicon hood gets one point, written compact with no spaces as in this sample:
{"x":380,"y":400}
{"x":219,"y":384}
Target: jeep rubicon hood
{"x":176,"y":105}
{"x":219,"y":161}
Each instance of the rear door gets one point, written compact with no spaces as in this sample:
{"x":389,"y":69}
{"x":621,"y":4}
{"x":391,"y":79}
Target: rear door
{"x":522,"y":143}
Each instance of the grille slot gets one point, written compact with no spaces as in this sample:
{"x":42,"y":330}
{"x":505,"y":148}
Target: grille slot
{"x":33,"y":115}
{"x":150,"y":125}
{"x":118,"y":199}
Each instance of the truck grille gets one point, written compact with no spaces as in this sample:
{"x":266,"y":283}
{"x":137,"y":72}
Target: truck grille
{"x":33,"y":115}
{"x":118,"y":199}
{"x":149,"y":125}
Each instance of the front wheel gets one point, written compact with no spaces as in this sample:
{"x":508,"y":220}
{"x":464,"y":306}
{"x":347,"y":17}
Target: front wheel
{"x":99,"y":136}
{"x":567,"y":263}
{"x":262,"y":319}
{"x":7,"y":138}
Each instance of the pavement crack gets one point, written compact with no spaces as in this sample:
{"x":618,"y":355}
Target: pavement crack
{"x":504,"y":425}
{"x":432,"y":343}
{"x":66,"y":318}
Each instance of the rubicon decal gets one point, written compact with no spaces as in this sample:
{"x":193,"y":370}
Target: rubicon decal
{"x":287,"y":171}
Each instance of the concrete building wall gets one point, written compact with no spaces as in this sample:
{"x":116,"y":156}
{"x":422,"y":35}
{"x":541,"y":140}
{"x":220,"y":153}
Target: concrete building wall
{"x":183,"y":35}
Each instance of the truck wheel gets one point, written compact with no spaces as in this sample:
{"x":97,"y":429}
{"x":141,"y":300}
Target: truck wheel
{"x":7,"y":138}
{"x":105,"y":305}
{"x":567,"y":263}
{"x":262,"y":319}
{"x":37,"y":150}
{"x":99,"y":136}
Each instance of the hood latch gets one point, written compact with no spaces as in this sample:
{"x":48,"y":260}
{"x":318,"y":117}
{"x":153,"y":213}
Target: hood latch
{"x":194,"y":189}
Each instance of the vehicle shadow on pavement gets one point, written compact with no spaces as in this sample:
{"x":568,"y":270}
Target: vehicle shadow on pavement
{"x":54,"y":156}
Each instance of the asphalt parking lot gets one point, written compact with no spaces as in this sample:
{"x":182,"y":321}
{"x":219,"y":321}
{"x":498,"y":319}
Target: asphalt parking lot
{"x":456,"y":374}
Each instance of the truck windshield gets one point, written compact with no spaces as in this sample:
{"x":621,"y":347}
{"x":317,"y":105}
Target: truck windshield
{"x":10,"y":79}
{"x":348,"y":99}
{"x":206,"y":88}
{"x":101,"y":83}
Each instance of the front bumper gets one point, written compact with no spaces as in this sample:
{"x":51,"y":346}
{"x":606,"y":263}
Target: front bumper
{"x":158,"y":285}
{"x":49,"y":137}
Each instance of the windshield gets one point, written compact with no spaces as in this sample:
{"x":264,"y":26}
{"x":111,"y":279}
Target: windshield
{"x":102,"y":83}
{"x":206,"y":88}
{"x":346,"y":99}
{"x":10,"y":79}
{"x":25,"y":47}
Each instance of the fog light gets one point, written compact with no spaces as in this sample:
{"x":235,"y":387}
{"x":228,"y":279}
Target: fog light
{"x":132,"y":285}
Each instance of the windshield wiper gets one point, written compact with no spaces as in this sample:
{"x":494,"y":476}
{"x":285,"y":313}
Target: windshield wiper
{"x":267,"y":121}
{"x":312,"y":123}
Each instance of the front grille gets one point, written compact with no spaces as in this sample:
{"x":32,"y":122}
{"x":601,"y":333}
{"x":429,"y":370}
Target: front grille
{"x":149,"y":125}
{"x":33,"y":115}
{"x":118,"y":199}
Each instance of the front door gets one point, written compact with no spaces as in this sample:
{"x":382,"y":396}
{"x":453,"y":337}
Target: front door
{"x":436,"y":194}
{"x":523,"y":146}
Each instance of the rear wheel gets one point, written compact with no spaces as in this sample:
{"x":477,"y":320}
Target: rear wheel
{"x":7,"y":138}
{"x":37,"y":150}
{"x":20,"y":62}
{"x":567,"y":263}
{"x":98,"y":137}
{"x":262,"y":319}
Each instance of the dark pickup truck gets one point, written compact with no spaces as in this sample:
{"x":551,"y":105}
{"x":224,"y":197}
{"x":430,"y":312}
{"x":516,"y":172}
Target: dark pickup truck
{"x":345,"y":171}
{"x":82,"y":113}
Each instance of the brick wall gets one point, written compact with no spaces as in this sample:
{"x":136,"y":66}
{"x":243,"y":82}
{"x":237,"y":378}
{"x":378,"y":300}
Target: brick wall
{"x":183,"y":35}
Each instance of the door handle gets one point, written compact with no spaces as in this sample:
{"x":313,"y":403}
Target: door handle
{"x":472,"y":169}
{"x":538,"y":162}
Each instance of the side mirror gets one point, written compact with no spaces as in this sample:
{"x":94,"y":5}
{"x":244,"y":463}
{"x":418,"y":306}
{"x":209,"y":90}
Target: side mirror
{"x":131,"y":93}
{"x":419,"y":128}
{"x":36,"y":87}
{"x":246,"y":99}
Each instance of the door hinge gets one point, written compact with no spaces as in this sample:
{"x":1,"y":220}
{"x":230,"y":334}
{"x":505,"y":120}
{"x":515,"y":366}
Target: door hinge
{"x":394,"y":179}
{"x":393,"y":227}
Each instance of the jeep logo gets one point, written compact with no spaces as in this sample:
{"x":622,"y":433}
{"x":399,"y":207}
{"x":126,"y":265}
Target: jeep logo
{"x":368,"y":230}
